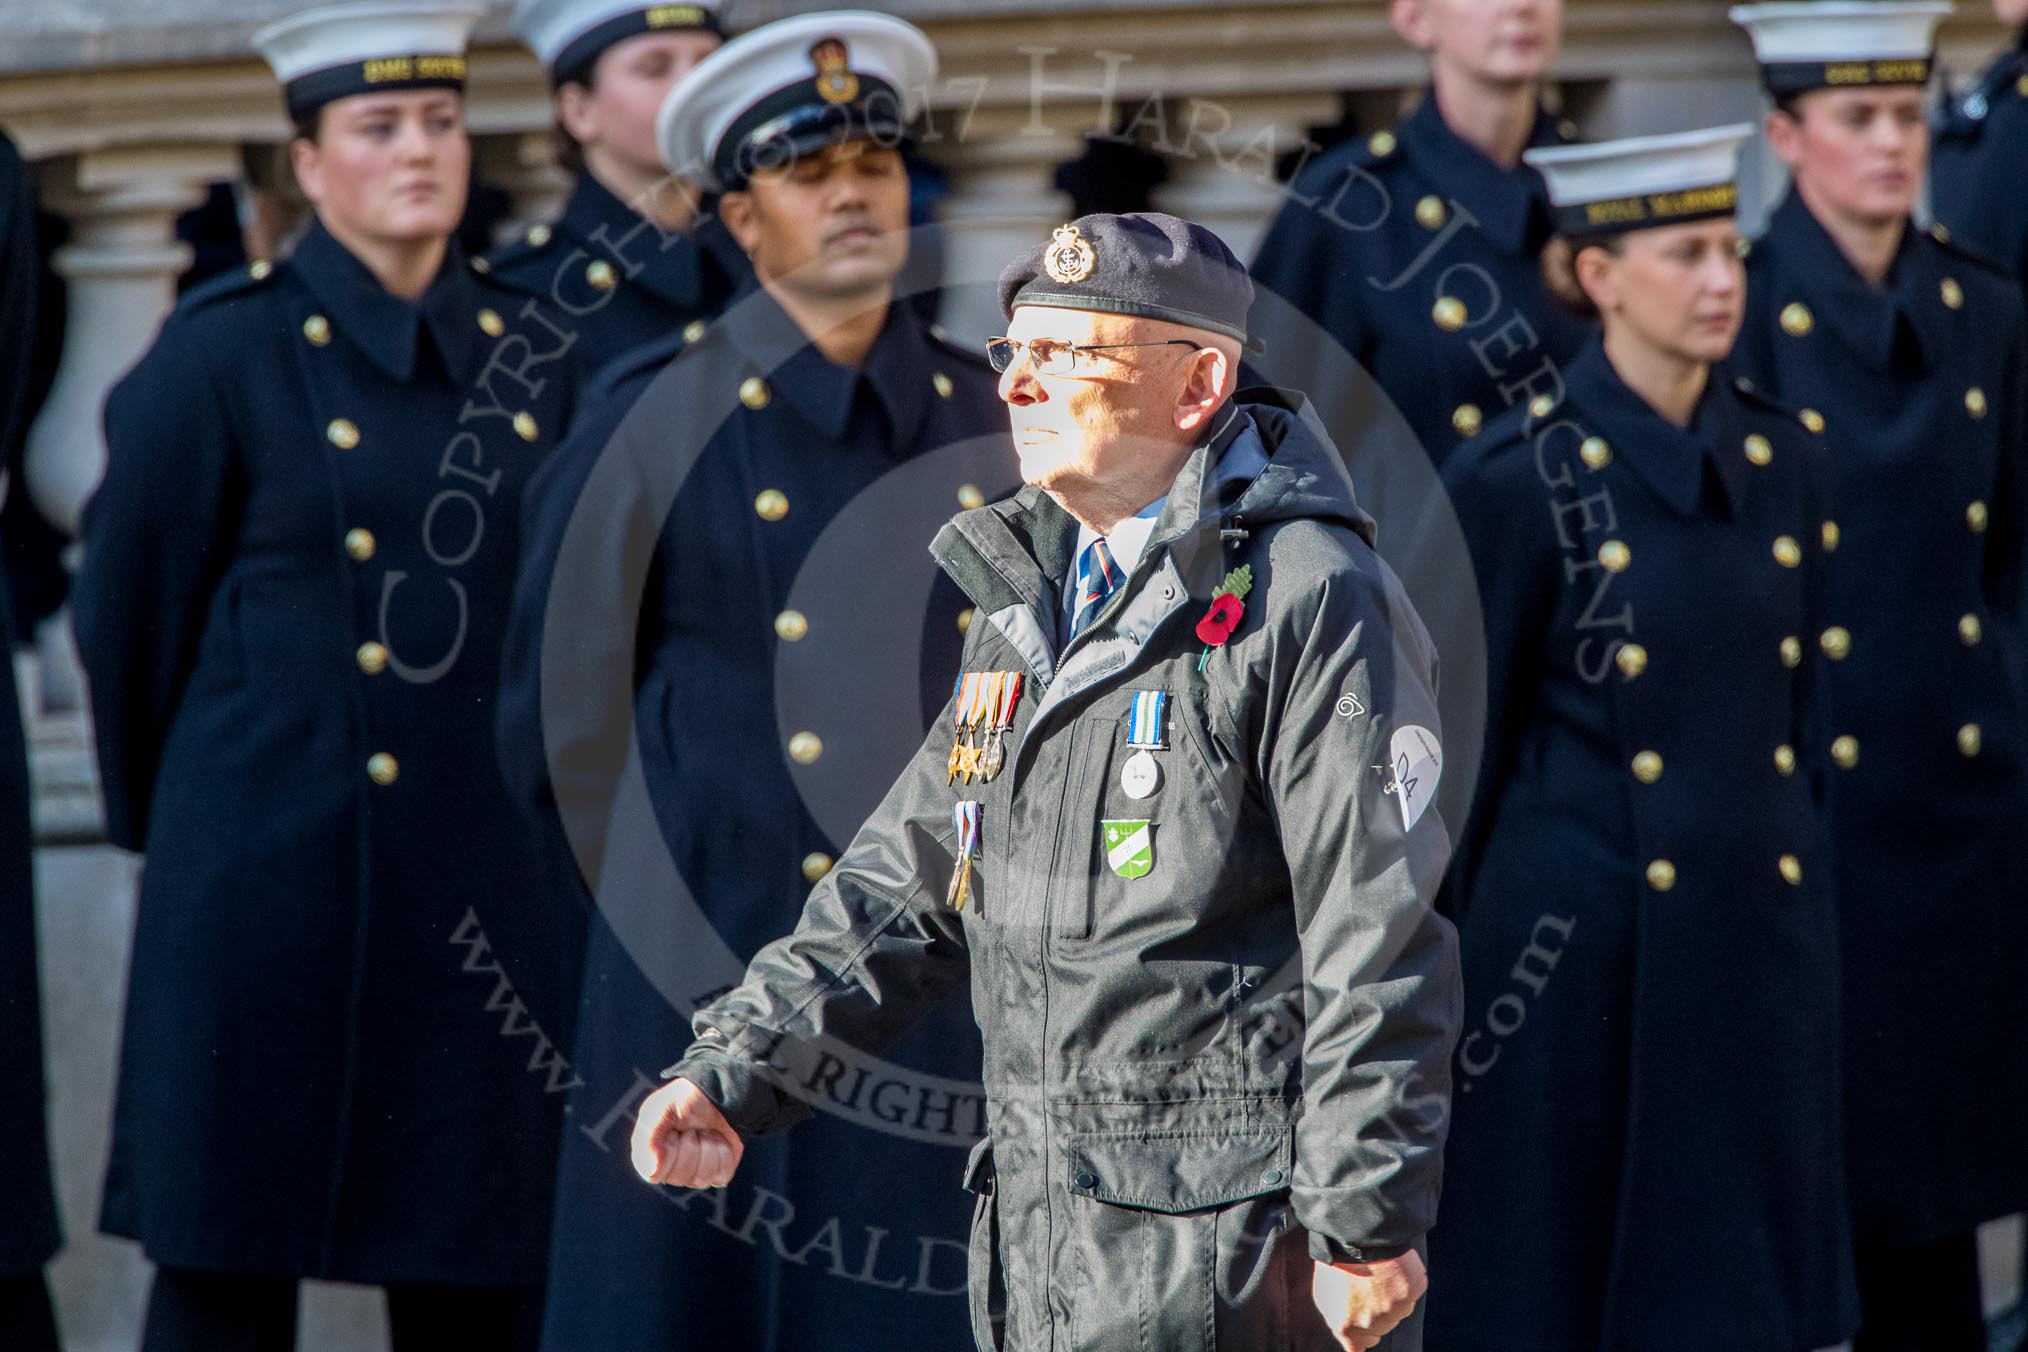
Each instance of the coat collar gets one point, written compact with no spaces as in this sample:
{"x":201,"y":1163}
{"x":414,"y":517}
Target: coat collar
{"x":687,"y":272}
{"x":898,"y":372}
{"x":1510,"y":205}
{"x":1671,"y":459}
{"x":387,"y":328}
{"x":1899,"y":323}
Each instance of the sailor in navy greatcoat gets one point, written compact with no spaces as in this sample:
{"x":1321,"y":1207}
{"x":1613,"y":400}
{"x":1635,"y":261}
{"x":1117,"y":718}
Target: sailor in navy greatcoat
{"x":1644,"y":1153}
{"x":732,"y":547}
{"x":635,"y":255}
{"x":294,"y":596}
{"x":28,"y":1224}
{"x":1915,"y":370}
{"x":1978,"y":182}
{"x":1417,"y":250}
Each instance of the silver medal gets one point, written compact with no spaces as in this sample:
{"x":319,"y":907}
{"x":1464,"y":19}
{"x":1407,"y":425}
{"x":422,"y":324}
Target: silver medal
{"x":1140,"y":776}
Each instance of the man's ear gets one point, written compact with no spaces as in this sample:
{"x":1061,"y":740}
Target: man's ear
{"x":1206,"y":382}
{"x":308,"y":167}
{"x":1411,"y":21}
{"x":742,"y":218}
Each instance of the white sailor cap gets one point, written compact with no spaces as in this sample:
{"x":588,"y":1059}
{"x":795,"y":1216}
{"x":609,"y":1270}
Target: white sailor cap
{"x":1612,"y":187}
{"x":791,"y":87}
{"x":569,"y":35}
{"x":369,"y":47}
{"x":1843,"y":44}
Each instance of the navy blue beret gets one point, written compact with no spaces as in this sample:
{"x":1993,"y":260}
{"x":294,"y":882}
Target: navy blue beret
{"x":1146,"y":265}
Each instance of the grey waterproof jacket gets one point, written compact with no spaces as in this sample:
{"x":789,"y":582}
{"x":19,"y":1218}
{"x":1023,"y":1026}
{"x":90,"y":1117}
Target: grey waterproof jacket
{"x":1218,"y":1018}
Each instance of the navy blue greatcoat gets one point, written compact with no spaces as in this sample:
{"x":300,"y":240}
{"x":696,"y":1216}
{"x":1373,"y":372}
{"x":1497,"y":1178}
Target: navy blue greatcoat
{"x":1419,"y":257}
{"x":1920,"y":388}
{"x":1647,"y":1107}
{"x":616,"y":279}
{"x":292,"y":606}
{"x":1977,"y":185}
{"x":28,"y":1226}
{"x":779,"y":636}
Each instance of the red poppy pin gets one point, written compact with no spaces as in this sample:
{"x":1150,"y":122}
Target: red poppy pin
{"x":1228,"y":605}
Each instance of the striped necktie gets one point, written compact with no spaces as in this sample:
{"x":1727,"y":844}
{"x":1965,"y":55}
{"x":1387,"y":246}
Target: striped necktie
{"x":1098,"y":577}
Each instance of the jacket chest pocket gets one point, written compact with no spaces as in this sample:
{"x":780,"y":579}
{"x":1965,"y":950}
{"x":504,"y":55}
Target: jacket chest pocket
{"x":1135,"y":816}
{"x":1174,"y":1240}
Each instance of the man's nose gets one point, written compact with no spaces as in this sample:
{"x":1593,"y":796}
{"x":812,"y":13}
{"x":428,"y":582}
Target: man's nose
{"x":1018,"y":385}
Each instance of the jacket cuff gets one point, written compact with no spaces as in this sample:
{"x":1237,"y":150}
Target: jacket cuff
{"x":741,"y":1089}
{"x":1324,"y":1249}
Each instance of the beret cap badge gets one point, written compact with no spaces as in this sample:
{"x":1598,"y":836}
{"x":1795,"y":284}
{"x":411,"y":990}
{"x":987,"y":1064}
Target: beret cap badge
{"x":1069,"y":259}
{"x":835,"y":81}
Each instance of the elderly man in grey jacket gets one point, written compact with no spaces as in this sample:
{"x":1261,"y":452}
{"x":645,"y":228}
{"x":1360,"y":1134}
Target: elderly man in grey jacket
{"x":1179,"y":834}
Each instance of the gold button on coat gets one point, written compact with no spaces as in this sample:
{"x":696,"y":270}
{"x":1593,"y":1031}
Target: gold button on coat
{"x":1467,"y":419}
{"x":1614,"y":556}
{"x":1970,"y":739}
{"x":1429,"y":213}
{"x":970,"y":498}
{"x":1975,"y":402}
{"x":372,"y":658}
{"x":965,"y":620}
{"x":791,"y":626}
{"x":1759,"y":449}
{"x":1449,"y":313}
{"x":943,"y":385}
{"x":1661,"y":875}
{"x":491,"y":324}
{"x":1976,"y":517}
{"x":1647,"y":767}
{"x":805,"y":748}
{"x":382,"y":768}
{"x":601,"y":275}
{"x":1969,"y":630}
{"x":1632,"y":660}
{"x":1831,"y":536}
{"x":1595,"y":452}
{"x":1845,"y":751}
{"x":259,"y":269}
{"x":360,"y":544}
{"x":525,"y":428}
{"x":1541,"y":406}
{"x":538,"y":235}
{"x":1812,"y":420}
{"x":770,"y":504}
{"x":344,"y":435}
{"x":1792,"y":869}
{"x":1785,"y":759}
{"x":754,"y":393}
{"x":1953,"y":294}
{"x":1787,"y":552}
{"x":318,"y":330}
{"x":694,"y":330}
{"x":1381,"y":143}
{"x":1836,"y":643}
{"x":1797,"y":321}
{"x":815,"y":866}
{"x":1792,"y":652}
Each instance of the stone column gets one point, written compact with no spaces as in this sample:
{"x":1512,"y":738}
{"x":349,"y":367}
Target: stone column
{"x":1002,"y":164}
{"x":1222,"y":155}
{"x":121,"y":268}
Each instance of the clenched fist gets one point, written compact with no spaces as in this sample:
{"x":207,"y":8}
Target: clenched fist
{"x":680,"y":1138}
{"x":1364,"y":1302}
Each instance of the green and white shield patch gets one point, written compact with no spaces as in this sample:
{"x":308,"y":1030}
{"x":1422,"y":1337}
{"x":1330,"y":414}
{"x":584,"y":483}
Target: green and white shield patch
{"x":1130,"y":848}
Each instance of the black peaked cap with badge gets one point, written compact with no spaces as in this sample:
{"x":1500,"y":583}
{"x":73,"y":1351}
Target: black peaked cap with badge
{"x":1145,"y":265}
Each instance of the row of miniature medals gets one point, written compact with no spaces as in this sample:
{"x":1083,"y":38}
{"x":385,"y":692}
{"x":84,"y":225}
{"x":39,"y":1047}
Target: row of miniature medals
{"x":983,"y":715}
